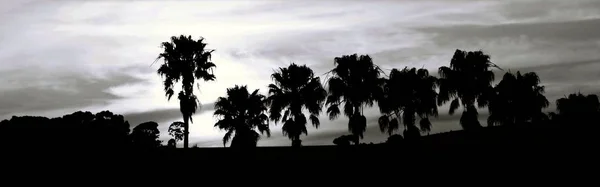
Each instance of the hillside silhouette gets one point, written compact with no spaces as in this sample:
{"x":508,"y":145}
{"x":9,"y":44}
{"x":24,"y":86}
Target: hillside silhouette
{"x":407,"y":99}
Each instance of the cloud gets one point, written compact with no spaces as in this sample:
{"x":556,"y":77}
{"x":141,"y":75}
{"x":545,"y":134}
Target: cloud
{"x":72,"y":93}
{"x":568,"y":31}
{"x":550,"y":10}
{"x":162,"y":114}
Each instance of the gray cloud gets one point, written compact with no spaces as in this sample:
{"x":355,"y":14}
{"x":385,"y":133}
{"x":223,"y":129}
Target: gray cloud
{"x":72,"y":92}
{"x":568,"y":31}
{"x":161,"y":115}
{"x":549,"y":9}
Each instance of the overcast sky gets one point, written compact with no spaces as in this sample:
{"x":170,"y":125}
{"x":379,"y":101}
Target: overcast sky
{"x":63,"y":56}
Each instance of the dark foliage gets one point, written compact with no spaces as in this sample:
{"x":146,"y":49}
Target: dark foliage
{"x":346,"y":140}
{"x":395,"y":139}
{"x":172,"y":143}
{"x":517,"y":99}
{"x":103,"y":130}
{"x":577,"y":112}
{"x":176,"y":130}
{"x":145,"y":135}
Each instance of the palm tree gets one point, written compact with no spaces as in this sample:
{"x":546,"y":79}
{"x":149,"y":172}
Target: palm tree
{"x":407,"y":94}
{"x":579,"y":110}
{"x":185,"y":60}
{"x":517,"y":99}
{"x":295,"y":88}
{"x":355,"y":83}
{"x":467,"y":80}
{"x":241,"y":113}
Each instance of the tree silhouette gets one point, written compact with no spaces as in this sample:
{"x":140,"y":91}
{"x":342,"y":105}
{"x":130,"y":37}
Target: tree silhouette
{"x":295,"y":88}
{"x":107,"y":124}
{"x":395,"y":139}
{"x":171,"y":143}
{"x":466,"y":81}
{"x":176,"y":130}
{"x":355,"y":83}
{"x":79,"y":130}
{"x":185,"y":60}
{"x":408,"y":94}
{"x":145,"y":135}
{"x":578,"y":111}
{"x":346,"y":140}
{"x":517,"y":99}
{"x":241,"y":113}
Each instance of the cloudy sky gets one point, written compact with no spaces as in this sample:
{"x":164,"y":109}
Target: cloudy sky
{"x":63,"y":56}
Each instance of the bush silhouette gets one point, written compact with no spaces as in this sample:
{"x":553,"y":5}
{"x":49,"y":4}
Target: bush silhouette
{"x":346,"y":140}
{"x":145,"y":135}
{"x":177,"y":130}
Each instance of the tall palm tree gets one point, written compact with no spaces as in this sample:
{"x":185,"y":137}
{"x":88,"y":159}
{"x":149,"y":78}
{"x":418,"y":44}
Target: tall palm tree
{"x":407,"y":94}
{"x":355,"y":82}
{"x":517,"y":99}
{"x":185,"y":60}
{"x":295,"y":88}
{"x":466,"y":81}
{"x":240,"y":113}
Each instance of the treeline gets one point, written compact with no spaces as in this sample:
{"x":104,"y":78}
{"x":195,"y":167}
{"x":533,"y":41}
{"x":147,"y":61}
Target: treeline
{"x":103,"y":130}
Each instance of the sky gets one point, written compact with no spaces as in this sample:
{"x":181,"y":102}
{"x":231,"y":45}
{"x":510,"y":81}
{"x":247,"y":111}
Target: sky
{"x":62,"y":56}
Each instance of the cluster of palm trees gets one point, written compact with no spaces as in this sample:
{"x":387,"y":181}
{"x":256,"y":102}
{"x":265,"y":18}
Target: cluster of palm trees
{"x":297,"y":96}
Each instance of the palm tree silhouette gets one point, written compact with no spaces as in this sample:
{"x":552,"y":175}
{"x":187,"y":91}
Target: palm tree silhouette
{"x":407,"y":94}
{"x":579,"y":110}
{"x":185,"y":60}
{"x":241,"y":113}
{"x":356,"y":83}
{"x":295,"y":88}
{"x":467,"y":80}
{"x":517,"y":99}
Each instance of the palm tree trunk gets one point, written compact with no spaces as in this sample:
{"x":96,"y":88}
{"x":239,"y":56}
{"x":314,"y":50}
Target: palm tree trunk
{"x":185,"y":132}
{"x":296,"y":142}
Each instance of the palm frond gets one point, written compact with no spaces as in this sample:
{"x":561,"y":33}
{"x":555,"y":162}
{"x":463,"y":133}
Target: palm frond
{"x":315,"y":121}
{"x":393,"y":126}
{"x":227,"y":137}
{"x":453,"y":106}
{"x":384,"y":123}
{"x":333,"y":111}
{"x":425,"y":125}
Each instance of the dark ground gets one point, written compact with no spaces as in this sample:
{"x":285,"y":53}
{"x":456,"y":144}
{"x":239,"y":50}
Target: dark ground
{"x":496,"y":143}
